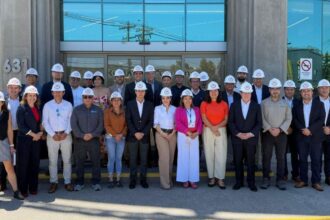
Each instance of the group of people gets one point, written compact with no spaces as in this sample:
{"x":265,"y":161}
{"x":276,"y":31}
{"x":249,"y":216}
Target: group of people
{"x":146,"y":118}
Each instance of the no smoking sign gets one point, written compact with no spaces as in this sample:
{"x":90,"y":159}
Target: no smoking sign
{"x":306,"y":69}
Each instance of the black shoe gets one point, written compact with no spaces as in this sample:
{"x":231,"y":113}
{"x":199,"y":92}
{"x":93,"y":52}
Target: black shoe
{"x":237,"y":186}
{"x":111,"y":184}
{"x":144,"y":184}
{"x":253,"y":188}
{"x":119,"y":183}
{"x":3,"y":187}
{"x":18,"y":195}
{"x":132,"y":184}
{"x":327,"y":181}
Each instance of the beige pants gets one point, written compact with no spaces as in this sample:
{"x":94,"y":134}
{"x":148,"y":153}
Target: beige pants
{"x":166,"y":151}
{"x":215,"y":149}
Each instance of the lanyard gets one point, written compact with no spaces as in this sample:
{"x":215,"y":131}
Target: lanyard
{"x":189,"y":114}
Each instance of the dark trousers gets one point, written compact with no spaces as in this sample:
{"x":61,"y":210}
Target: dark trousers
{"x":307,"y":147}
{"x":244,"y":149}
{"x":268,"y":143}
{"x":292,"y":148}
{"x":80,"y":151}
{"x":27,"y":168}
{"x":3,"y":173}
{"x":134,"y":148}
{"x":326,"y":151}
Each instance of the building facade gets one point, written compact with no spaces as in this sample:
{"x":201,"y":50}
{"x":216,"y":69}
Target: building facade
{"x":210,"y":35}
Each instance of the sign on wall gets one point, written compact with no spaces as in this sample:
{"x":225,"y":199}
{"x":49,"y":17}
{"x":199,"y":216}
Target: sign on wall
{"x":15,"y":65}
{"x":306,"y":69}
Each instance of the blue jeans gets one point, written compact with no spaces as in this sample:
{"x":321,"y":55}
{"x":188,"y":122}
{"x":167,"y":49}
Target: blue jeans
{"x":115,"y":154}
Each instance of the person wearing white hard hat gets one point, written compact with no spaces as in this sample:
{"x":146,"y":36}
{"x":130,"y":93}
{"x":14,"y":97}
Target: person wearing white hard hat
{"x":130,"y":87}
{"x":215,"y":116}
{"x":323,"y":89}
{"x":156,"y":86}
{"x":56,"y":121}
{"x":119,"y":84}
{"x":245,"y":123}
{"x":189,"y":124}
{"x":76,"y":88}
{"x":241,"y":75}
{"x":116,"y":132}
{"x":229,"y":95}
{"x":101,"y":93}
{"x":29,"y":137}
{"x":204,"y":77}
{"x":198,"y":93}
{"x":166,"y":79}
{"x":88,"y":79}
{"x":57,"y":76}
{"x":178,"y":87}
{"x":139,"y":118}
{"x":31,"y":79}
{"x":308,"y":118}
{"x":164,"y":124}
{"x":260,"y":91}
{"x":7,"y":146}
{"x":276,"y":120}
{"x":87,"y":127}
{"x":289,"y":97}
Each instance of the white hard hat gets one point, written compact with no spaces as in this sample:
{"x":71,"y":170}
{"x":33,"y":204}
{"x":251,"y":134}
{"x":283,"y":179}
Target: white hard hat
{"x":138,"y":68}
{"x":140,"y":86}
{"x":179,"y":73}
{"x":167,"y":74}
{"x":230,"y":79}
{"x":58,"y":87}
{"x":31,"y":90}
{"x":14,"y":82}
{"x":242,"y":69}
{"x":213,"y":86}
{"x":150,"y":68}
{"x":186,"y":92}
{"x":98,"y":73}
{"x":115,"y":95}
{"x":2,"y":97}
{"x":323,"y":82}
{"x":289,"y":84}
{"x":258,"y":74}
{"x":204,"y":76}
{"x":31,"y":71}
{"x":246,"y":87}
{"x":166,"y":92}
{"x":75,"y":74}
{"x":306,"y":85}
{"x":88,"y":92}
{"x":274,"y":83}
{"x":194,"y":75}
{"x":88,"y":75}
{"x":119,"y":72}
{"x":58,"y":68}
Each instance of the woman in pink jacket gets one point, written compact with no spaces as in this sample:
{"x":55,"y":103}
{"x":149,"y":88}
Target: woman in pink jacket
{"x":189,"y":126}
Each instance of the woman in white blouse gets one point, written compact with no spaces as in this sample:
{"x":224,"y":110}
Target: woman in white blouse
{"x":165,"y":137}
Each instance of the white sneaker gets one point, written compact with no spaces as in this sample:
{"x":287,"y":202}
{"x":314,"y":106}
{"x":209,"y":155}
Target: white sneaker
{"x":78,"y":187}
{"x":96,"y":187}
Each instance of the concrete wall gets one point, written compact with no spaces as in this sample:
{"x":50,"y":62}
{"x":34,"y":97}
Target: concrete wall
{"x":257,"y":36}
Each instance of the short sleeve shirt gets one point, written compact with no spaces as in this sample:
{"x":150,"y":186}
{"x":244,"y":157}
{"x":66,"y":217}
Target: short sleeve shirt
{"x":215,"y":112}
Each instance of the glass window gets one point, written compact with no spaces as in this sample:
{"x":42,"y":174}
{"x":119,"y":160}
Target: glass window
{"x":326,"y":40}
{"x":122,"y":22}
{"x":205,"y":1}
{"x":82,"y":22}
{"x":164,"y":22}
{"x":205,"y":22}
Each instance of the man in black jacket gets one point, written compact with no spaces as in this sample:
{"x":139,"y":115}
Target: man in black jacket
{"x":139,"y":119}
{"x":308,"y":117}
{"x":260,"y":91}
{"x":245,"y":123}
{"x":229,"y":95}
{"x":57,"y":76}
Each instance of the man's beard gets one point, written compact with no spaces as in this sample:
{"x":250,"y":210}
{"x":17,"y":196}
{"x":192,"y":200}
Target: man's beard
{"x":241,"y":79}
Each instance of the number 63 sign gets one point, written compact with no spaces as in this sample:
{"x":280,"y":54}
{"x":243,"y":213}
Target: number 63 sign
{"x":15,"y":65}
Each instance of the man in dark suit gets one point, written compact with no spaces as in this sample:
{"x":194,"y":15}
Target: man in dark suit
{"x":130,"y":87}
{"x":260,"y":91}
{"x":308,"y":117}
{"x":245,"y":123}
{"x":229,"y":95}
{"x":178,"y":87}
{"x":139,"y":119}
{"x":289,"y":91}
{"x":198,"y":93}
{"x":156,"y":86}
{"x":57,"y":76}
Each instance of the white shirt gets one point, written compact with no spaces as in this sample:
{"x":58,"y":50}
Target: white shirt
{"x":12,"y":106}
{"x":163,"y":118}
{"x":238,"y":86}
{"x":245,"y":108}
{"x":191,"y":117}
{"x":289,"y":101}
{"x":230,"y":98}
{"x":326,"y":103}
{"x":140,"y":107}
{"x":56,"y":117}
{"x":77,"y":96}
{"x":307,"y":112}
{"x":259,"y":94}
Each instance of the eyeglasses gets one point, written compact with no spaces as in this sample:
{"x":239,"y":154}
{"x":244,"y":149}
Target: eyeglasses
{"x":88,"y":97}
